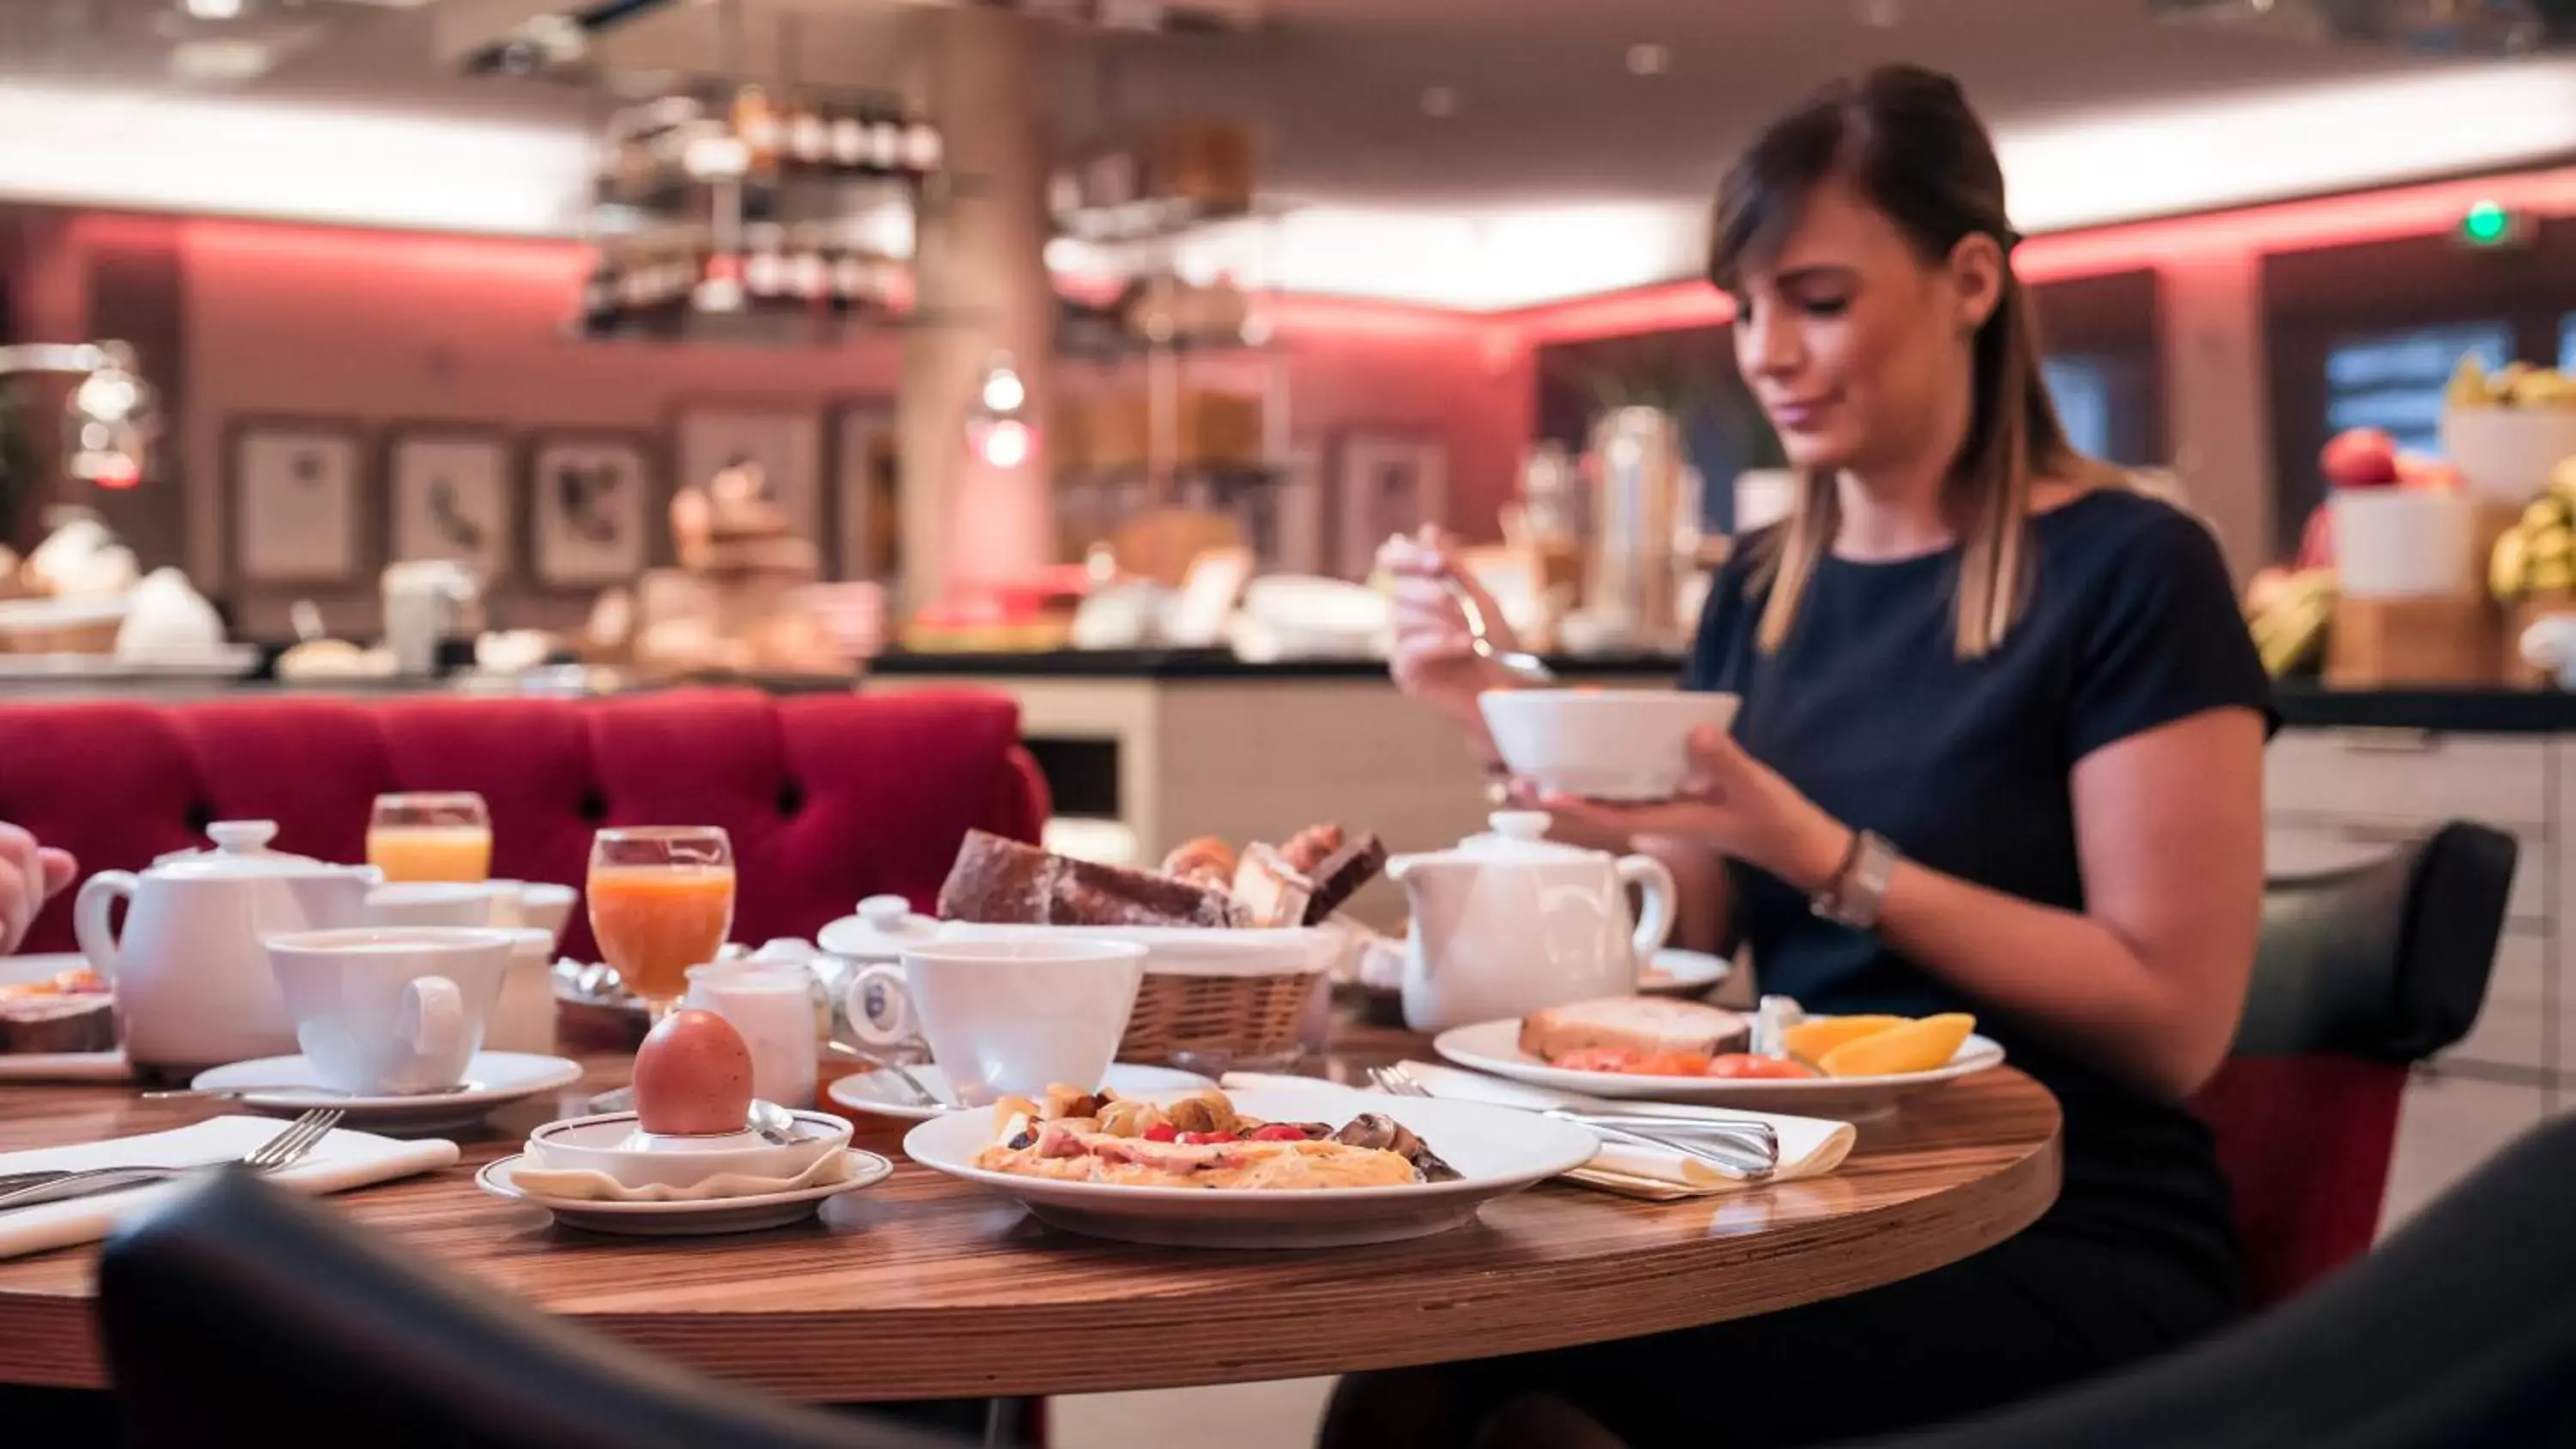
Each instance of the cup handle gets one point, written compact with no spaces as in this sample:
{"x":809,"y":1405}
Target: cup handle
{"x":433,"y":1018}
{"x":90,"y":925}
{"x":885,"y":984}
{"x":1654,"y":880}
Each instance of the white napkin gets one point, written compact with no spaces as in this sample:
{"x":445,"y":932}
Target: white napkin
{"x":1809,"y":1146}
{"x":106,"y":1066}
{"x":343,"y":1159}
{"x":583,"y":1185}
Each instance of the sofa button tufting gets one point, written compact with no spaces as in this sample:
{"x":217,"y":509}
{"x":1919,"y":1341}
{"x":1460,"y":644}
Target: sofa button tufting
{"x":791,"y":797}
{"x":594,"y":807}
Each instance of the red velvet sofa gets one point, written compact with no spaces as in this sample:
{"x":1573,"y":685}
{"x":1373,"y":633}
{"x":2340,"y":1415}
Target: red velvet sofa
{"x":828,"y":798}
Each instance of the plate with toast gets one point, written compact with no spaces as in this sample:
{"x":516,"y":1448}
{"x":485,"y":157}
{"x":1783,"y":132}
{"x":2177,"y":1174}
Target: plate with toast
{"x":1659,"y":1049}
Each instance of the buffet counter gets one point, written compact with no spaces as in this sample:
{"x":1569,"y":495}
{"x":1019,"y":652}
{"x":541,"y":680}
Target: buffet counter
{"x":1146,"y":749}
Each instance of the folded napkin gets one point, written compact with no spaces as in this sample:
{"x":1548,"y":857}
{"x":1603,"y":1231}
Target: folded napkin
{"x":1809,"y":1146}
{"x":582,"y":1185}
{"x":107,"y":1066}
{"x":342,"y":1160}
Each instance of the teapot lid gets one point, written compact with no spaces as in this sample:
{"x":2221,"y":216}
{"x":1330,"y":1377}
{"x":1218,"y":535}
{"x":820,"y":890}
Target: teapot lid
{"x":880,"y":931}
{"x":1519,"y":836}
{"x":241,"y":850}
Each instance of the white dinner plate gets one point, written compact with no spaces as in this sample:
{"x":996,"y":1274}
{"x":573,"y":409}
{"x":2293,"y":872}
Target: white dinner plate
{"x":683,"y":1219}
{"x":1673,"y":971}
{"x":1494,"y":1046}
{"x":883,"y":1094}
{"x":1496,"y":1150}
{"x":500,"y":1078}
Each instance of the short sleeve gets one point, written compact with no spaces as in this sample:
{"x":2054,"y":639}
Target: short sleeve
{"x":2164,"y":640}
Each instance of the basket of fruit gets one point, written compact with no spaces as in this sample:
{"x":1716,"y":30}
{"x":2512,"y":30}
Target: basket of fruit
{"x":2532,"y":570}
{"x":2506,"y":430}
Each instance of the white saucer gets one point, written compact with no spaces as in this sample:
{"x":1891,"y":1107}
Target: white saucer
{"x":499,"y":1078}
{"x":883,"y":1094}
{"x":1676,"y":972}
{"x":680,"y":1219}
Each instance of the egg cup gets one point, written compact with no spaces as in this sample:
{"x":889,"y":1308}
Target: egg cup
{"x":615,"y":1145}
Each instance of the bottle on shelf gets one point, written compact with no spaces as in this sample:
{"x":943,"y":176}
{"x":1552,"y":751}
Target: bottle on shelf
{"x":764,"y":268}
{"x":809,"y":275}
{"x":808,"y":136}
{"x":925,"y":150}
{"x":849,"y":141}
{"x":885,"y":141}
{"x":756,"y":125}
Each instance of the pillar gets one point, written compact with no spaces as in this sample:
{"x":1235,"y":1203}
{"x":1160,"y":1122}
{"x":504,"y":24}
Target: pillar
{"x":2217,"y":394}
{"x":981,"y":280}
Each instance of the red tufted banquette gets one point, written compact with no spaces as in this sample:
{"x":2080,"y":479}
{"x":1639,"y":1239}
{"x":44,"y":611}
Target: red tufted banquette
{"x":827,"y":797}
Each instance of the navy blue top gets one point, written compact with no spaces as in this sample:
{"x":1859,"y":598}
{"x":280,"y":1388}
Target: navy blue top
{"x":1964,"y":765}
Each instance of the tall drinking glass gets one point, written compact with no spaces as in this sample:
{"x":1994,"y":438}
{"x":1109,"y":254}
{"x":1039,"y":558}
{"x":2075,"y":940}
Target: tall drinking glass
{"x":661,"y":901}
{"x":431,"y":837}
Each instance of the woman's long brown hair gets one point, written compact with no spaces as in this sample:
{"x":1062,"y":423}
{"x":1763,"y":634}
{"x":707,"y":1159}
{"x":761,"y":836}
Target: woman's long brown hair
{"x":1907,"y":141}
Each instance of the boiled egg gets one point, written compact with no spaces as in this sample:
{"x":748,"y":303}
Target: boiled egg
{"x":692,"y":1076}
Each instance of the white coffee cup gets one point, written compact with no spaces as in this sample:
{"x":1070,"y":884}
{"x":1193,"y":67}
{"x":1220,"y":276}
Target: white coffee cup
{"x":1003,"y":1018}
{"x":390,"y":1009}
{"x":540,"y":905}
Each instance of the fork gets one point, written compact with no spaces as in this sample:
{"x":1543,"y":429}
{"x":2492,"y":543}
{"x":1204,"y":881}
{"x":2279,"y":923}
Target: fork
{"x":288,"y":1147}
{"x":1743,"y":1164}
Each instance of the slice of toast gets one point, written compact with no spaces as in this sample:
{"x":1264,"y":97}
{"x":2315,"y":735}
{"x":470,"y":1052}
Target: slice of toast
{"x":1642,"y":1024}
{"x":1003,"y":882}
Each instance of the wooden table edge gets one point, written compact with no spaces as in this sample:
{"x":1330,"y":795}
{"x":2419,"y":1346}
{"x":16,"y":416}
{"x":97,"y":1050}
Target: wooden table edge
{"x":913,"y":1353}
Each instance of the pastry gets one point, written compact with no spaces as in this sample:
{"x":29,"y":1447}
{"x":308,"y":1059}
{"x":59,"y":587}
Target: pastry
{"x":1269,"y":891}
{"x":1341,"y":874}
{"x":1003,"y":882}
{"x":1310,"y":847}
{"x":1205,"y":861}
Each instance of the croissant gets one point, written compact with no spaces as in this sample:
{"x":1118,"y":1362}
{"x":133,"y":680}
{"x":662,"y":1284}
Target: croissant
{"x":1206,"y":857}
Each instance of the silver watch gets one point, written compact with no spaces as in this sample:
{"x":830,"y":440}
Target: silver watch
{"x":1853,"y":896}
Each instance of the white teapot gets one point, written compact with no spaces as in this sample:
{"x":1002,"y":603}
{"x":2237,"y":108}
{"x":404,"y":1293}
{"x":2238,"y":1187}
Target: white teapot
{"x":1510,"y":923}
{"x":191,"y":971}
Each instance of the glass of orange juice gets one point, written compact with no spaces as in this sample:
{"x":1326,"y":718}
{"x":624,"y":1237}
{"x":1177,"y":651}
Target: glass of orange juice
{"x":661,"y":901}
{"x":431,"y":837}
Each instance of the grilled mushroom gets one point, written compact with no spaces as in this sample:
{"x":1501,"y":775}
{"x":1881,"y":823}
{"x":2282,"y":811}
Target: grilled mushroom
{"x":1384,"y":1133}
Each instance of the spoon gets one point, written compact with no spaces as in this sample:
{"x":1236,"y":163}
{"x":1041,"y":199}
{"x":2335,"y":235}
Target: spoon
{"x":925,"y":1096}
{"x":1525,"y":667}
{"x":774,"y":1123}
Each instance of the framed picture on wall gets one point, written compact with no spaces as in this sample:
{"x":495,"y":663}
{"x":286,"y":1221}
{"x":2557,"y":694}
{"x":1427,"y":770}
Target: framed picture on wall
{"x":866,"y":489}
{"x":1385,"y":483}
{"x":449,"y":496}
{"x":786,"y":445}
{"x":297,"y":491}
{"x":593,"y":506}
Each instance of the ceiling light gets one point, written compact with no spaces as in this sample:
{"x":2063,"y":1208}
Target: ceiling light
{"x":1649,"y":59}
{"x":213,"y":9}
{"x":1440,"y":102}
{"x":1881,"y":14}
{"x":221,"y":62}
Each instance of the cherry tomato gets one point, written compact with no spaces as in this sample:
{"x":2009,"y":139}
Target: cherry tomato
{"x":1745,"y":1064}
{"x":1670,"y":1064}
{"x":1280,"y":1132}
{"x":1162,"y":1132}
{"x":1204,"y":1139}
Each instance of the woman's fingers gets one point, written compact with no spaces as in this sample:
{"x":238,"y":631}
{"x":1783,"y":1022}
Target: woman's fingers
{"x":17,"y":904}
{"x":59,"y":868}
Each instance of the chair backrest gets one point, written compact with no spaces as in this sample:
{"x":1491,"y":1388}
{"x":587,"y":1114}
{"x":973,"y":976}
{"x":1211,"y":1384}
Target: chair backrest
{"x":2360,"y":972}
{"x":238,"y":1314}
{"x":2458,"y":1333}
{"x":828,"y":797}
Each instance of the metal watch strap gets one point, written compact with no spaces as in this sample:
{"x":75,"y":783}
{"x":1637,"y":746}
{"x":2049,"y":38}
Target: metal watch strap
{"x":1853,"y":896}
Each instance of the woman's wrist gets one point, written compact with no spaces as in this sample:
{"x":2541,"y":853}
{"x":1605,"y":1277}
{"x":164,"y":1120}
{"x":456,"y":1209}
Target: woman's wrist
{"x":1814,"y":853}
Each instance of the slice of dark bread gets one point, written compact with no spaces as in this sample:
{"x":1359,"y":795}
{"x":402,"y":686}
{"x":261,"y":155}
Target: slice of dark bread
{"x":1003,"y":882}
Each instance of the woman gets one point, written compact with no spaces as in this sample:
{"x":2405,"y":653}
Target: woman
{"x":2000,"y":751}
{"x":29,"y":875}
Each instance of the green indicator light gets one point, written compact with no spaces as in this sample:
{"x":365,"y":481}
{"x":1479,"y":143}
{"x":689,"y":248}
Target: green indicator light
{"x":2486,"y":224}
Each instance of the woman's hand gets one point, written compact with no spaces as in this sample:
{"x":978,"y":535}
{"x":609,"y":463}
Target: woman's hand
{"x":1434,"y":660}
{"x":30,"y":874}
{"x":1735,"y":803}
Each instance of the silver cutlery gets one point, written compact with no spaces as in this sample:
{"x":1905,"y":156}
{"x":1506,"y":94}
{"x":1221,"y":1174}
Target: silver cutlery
{"x":774,"y":1123}
{"x":290,"y":1146}
{"x":922,"y":1096}
{"x":1728,"y":1159}
{"x":301,"y":1089}
{"x":1525,"y":667}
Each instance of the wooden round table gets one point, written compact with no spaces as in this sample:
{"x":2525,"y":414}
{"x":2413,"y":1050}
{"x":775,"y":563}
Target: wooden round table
{"x":924,"y":1287}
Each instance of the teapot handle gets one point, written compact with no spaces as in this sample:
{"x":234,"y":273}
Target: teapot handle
{"x":98,"y":895}
{"x":1655,"y":880}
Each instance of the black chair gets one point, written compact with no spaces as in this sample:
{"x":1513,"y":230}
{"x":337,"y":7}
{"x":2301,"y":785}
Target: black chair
{"x":240,"y":1315}
{"x":2360,"y":972}
{"x":2459,"y":1332}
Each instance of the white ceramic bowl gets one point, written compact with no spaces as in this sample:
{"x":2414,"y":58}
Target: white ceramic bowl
{"x":2506,"y":453}
{"x":432,"y":903}
{"x":1608,"y":744}
{"x":601,"y":1144}
{"x":542,"y":905}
